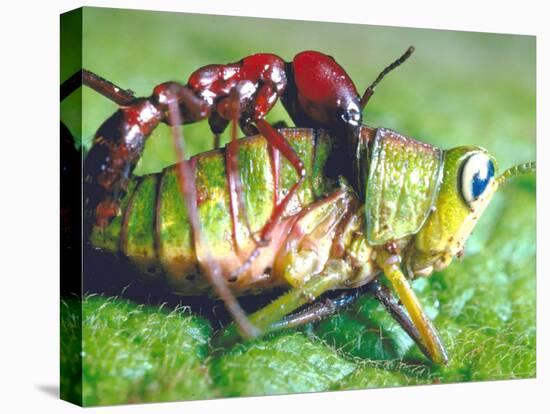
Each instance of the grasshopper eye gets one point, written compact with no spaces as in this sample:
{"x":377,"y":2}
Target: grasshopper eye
{"x":477,"y":172}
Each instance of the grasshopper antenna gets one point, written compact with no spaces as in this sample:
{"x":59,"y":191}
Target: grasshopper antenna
{"x":516,"y":170}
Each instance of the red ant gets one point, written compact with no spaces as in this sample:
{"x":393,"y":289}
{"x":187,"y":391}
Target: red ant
{"x":314,"y":89}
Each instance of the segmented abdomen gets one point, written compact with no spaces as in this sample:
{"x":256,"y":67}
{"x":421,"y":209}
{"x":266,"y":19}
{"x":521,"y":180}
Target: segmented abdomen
{"x":152,"y":228}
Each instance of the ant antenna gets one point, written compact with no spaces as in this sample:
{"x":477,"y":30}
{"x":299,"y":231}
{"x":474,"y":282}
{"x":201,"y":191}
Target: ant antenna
{"x":370,"y":90}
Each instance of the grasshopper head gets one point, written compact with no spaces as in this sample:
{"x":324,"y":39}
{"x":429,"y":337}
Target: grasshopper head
{"x":469,"y":183}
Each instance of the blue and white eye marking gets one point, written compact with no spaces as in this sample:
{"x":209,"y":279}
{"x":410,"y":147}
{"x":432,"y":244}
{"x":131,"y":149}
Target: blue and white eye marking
{"x":477,"y":173}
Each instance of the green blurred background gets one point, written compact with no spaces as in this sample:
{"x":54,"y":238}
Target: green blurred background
{"x":458,"y":88}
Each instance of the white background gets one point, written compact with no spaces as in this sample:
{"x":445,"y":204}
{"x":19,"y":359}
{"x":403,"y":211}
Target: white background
{"x":29,"y":234}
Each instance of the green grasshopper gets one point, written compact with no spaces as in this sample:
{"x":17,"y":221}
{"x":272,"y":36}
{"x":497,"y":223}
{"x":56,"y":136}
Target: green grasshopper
{"x":402,"y":210}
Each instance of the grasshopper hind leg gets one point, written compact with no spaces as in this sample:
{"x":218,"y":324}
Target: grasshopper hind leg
{"x":329,"y":306}
{"x":319,"y":310}
{"x":330,"y":278}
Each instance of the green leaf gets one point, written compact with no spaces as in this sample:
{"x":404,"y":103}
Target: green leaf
{"x":132,"y":353}
{"x":279,"y":365}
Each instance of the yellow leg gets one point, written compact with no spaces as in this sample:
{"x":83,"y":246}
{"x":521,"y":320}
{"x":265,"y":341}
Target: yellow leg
{"x":422,"y":323}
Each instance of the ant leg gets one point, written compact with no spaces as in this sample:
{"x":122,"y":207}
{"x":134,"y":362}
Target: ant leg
{"x":70,"y":85}
{"x":195,"y":109}
{"x":278,"y":144}
{"x":209,"y":266}
{"x":263,"y":102}
{"x":370,"y":90}
{"x":230,"y":108}
{"x":97,"y":83}
{"x":276,"y":163}
{"x":248,"y":129}
{"x":216,"y":141}
{"x":217,"y":126}
{"x":280,"y":124}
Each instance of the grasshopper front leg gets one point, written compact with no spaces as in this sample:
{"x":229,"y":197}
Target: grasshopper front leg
{"x":429,"y":338}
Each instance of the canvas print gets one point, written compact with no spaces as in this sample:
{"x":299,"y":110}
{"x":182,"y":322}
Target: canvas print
{"x":257,"y":206}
